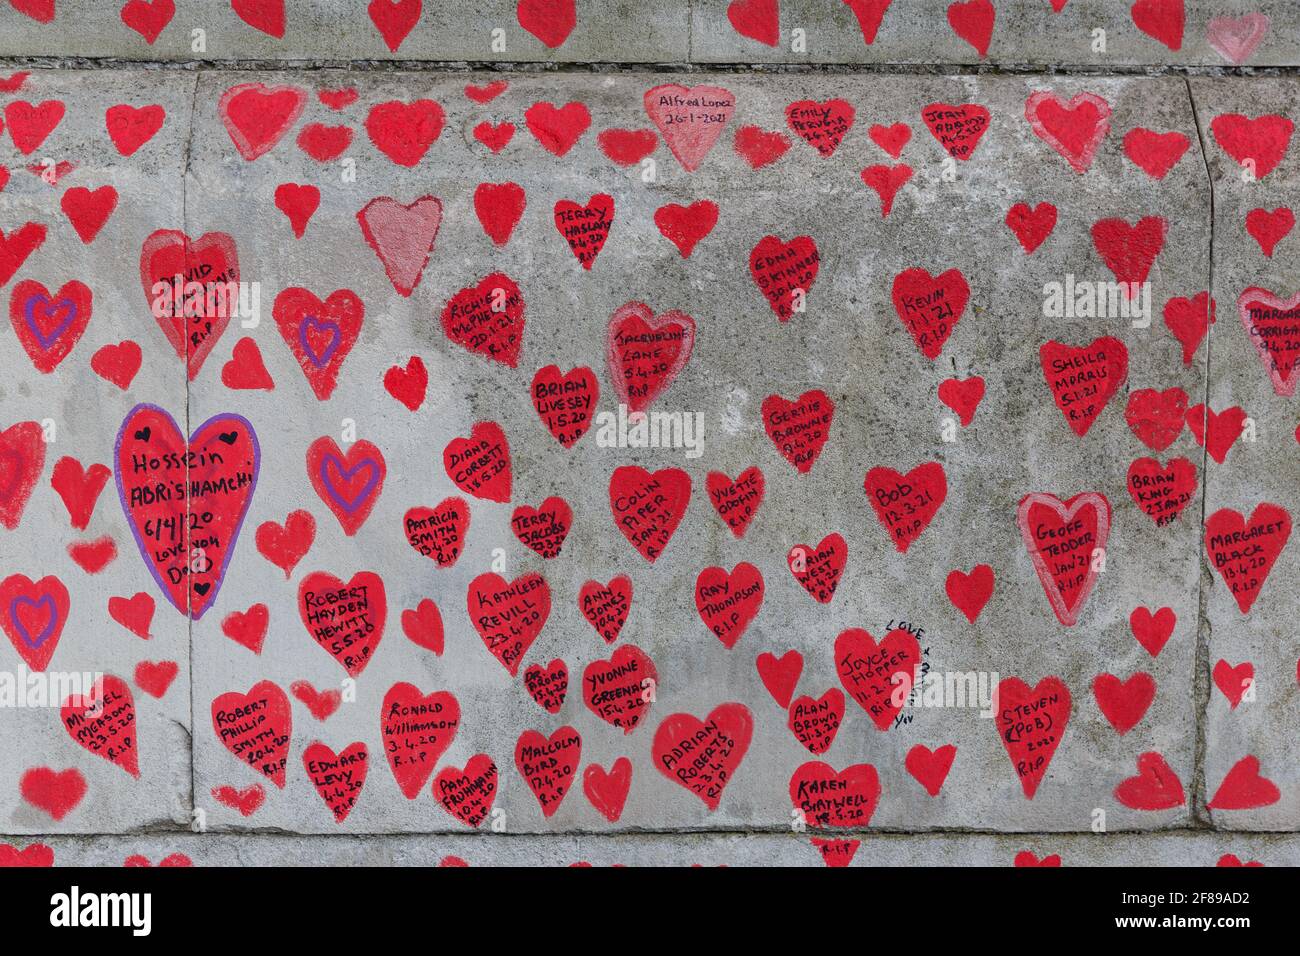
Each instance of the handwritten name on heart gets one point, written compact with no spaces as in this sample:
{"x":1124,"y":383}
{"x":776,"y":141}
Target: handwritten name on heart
{"x":1031,"y":722}
{"x":1066,"y":541}
{"x":565,"y":401}
{"x":416,"y":729}
{"x":487,"y":319}
{"x":1244,"y":551}
{"x":256,"y":728}
{"x":192,"y":289}
{"x":606,"y":607}
{"x":799,"y":428}
{"x":1273,"y":325}
{"x":185,"y":501}
{"x":827,"y":798}
{"x":648,"y":507}
{"x":438,"y":533}
{"x":480,"y":465}
{"x":646,"y":352}
{"x":508,"y":615}
{"x":104,"y":722}
{"x":549,"y":765}
{"x":906,"y":504}
{"x":703,"y":755}
{"x":930,"y":306}
{"x":346,"y":619}
{"x":728,"y":602}
{"x":784,"y":272}
{"x":1083,"y":379}
{"x":879,"y":676}
{"x":690,"y":119}
{"x":620,"y":690}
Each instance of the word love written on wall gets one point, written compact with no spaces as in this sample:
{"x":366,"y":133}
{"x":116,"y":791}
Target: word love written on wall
{"x":185,"y":497}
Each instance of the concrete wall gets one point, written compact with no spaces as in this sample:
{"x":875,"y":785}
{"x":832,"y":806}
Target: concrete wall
{"x":1133,"y":749}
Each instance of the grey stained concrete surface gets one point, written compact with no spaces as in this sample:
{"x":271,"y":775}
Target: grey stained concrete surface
{"x":849,"y":342}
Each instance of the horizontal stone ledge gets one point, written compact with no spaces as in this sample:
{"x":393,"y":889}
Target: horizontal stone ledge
{"x":958,"y":849}
{"x":1046,"y":32}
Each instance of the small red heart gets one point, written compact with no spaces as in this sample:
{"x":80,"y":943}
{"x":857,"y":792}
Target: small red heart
{"x":1270,"y":228}
{"x":79,"y":488}
{"x":1033,"y":225}
{"x":264,"y":15}
{"x":339,"y":99}
{"x":1155,"y":153}
{"x":1124,"y":703}
{"x":930,"y":767}
{"x":154,"y":678}
{"x":1189,"y":320}
{"x":495,"y":138}
{"x":133,"y":613}
{"x":423,"y":626}
{"x":118,"y":363}
{"x":627,"y":147}
{"x":486,"y":92}
{"x":892,"y":138}
{"x":130,"y":127}
{"x":780,"y":675}
{"x":973,"y":22}
{"x":1160,"y":19}
{"x":557,"y":128}
{"x":607,"y":791}
{"x":408,"y":385}
{"x":89,"y":210}
{"x":285,"y":545}
{"x":685,"y":226}
{"x":246,"y":801}
{"x":887,"y":181}
{"x":756,"y":19}
{"x":1216,"y":432}
{"x":247,"y":627}
{"x":1152,"y":631}
{"x":1156,"y":786}
{"x":55,"y":792}
{"x":499,"y":207}
{"x":93,"y":556}
{"x":246,"y":370}
{"x":394,"y":19}
{"x":148,"y":17}
{"x":1234,"y":681}
{"x":551,"y":21}
{"x":969,"y":593}
{"x":758,"y":147}
{"x":1243,"y":788}
{"x":963,"y":396}
{"x":324,"y":143}
{"x":321,"y":704}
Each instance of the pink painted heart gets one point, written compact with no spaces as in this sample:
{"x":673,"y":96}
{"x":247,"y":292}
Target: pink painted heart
{"x":690,"y":119}
{"x":402,"y":236}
